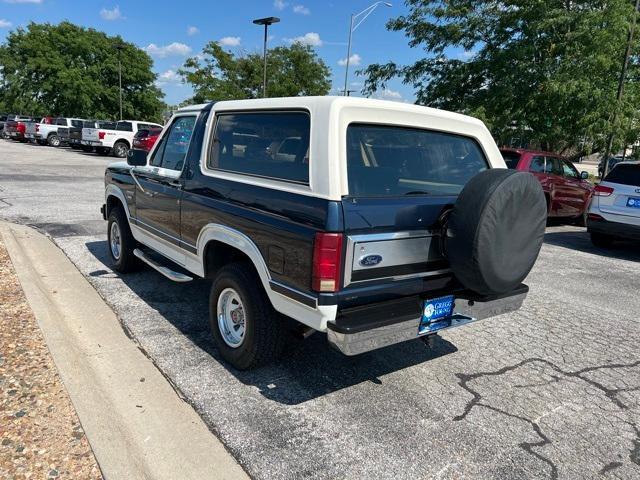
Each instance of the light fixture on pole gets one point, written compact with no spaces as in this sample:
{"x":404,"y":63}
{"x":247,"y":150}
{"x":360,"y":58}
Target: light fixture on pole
{"x":266,"y":22}
{"x":352,"y":28}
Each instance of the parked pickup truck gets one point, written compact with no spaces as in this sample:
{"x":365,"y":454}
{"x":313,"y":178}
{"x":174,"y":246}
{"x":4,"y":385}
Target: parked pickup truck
{"x":117,"y":141}
{"x":379,"y":222}
{"x":46,"y":132}
{"x":75,"y":133}
{"x":14,"y":127}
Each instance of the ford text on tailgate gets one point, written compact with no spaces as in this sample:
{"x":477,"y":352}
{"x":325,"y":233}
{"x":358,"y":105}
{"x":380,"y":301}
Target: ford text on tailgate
{"x":369,"y":221}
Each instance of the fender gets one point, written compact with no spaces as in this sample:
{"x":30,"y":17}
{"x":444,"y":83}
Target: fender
{"x":307,"y":312}
{"x":114,"y":191}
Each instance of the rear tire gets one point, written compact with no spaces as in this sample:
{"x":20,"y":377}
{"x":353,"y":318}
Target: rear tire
{"x":245,"y":327}
{"x":53,"y":140}
{"x":601,"y":240}
{"x":120,"y":150}
{"x":120,"y":242}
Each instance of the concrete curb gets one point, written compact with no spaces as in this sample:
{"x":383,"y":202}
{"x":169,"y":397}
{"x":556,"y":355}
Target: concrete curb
{"x":136,"y":424}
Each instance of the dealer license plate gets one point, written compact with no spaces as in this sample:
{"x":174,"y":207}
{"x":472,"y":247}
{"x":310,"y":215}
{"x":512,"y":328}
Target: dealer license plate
{"x":633,"y":202}
{"x":436,"y":314}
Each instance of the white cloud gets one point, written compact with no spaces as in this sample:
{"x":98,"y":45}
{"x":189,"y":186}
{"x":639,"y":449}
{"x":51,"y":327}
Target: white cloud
{"x":113,"y":14}
{"x":173,"y":49}
{"x":279,"y":4}
{"x":5,"y":23}
{"x":311,"y":38}
{"x":23,"y":1}
{"x":466,"y":54}
{"x":354,"y":60}
{"x":170,"y":76}
{"x":301,"y":9}
{"x":191,"y":31}
{"x":389,"y":94}
{"x":229,"y":41}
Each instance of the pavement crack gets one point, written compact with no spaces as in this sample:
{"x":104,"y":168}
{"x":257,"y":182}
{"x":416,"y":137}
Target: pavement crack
{"x":465,"y":379}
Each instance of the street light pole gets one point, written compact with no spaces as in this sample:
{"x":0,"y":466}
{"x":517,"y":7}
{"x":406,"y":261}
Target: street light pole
{"x":266,"y":22}
{"x":620,"y":92}
{"x":352,"y":28}
{"x":120,"y":47}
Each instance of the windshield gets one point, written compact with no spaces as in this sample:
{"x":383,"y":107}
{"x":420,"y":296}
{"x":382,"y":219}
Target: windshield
{"x":394,"y":161}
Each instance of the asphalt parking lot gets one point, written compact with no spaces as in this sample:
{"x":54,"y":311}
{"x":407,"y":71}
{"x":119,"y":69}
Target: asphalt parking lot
{"x":551,"y":391}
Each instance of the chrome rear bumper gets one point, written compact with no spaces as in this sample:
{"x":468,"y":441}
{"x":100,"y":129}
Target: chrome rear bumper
{"x":467,"y":310}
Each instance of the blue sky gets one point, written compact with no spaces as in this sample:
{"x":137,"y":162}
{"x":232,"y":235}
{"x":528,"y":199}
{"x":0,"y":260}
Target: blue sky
{"x":171,"y":31}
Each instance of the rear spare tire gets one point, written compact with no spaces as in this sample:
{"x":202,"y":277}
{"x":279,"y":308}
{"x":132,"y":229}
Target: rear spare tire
{"x":495,"y":230}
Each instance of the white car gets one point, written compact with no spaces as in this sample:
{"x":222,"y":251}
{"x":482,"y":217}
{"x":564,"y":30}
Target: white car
{"x":615,"y":209}
{"x":45,"y":132}
{"x":118,"y":141}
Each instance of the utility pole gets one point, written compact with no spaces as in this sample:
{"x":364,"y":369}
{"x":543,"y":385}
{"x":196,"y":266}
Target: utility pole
{"x":620,"y":92}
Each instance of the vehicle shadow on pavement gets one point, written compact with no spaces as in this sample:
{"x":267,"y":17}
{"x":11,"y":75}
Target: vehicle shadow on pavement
{"x":579,"y":240}
{"x":308,"y":369}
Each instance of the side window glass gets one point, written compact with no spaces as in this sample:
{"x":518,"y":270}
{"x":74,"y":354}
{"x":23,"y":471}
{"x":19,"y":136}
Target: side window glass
{"x":569,"y":170}
{"x":553,"y":166}
{"x":263,"y":144}
{"x":537,"y":165}
{"x":173,"y":146}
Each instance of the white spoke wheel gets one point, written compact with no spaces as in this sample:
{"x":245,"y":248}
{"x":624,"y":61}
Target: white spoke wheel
{"x":231,"y":317}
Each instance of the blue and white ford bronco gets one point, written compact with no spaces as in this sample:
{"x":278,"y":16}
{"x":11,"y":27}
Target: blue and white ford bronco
{"x":371,"y":221}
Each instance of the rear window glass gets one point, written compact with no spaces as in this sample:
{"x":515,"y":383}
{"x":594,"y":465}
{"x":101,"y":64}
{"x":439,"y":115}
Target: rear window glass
{"x":624,"y":175}
{"x":511,"y":159}
{"x":107,"y":125}
{"x":124,"y":126}
{"x":394,"y":161}
{"x":264,"y":144}
{"x":60,"y":121}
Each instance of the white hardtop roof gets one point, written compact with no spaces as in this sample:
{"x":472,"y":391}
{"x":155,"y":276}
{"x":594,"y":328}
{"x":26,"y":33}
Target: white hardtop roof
{"x":325,"y":102}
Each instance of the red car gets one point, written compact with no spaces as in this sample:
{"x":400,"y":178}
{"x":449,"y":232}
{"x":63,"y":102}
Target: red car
{"x":568,"y":193}
{"x":146,"y":139}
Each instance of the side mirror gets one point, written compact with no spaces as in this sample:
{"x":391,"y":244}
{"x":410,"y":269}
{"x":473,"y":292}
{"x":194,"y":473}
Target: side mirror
{"x":584,"y":175}
{"x":137,"y":158}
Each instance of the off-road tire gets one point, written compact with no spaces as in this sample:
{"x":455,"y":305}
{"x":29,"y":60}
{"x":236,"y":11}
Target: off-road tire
{"x":127,"y":261}
{"x":601,"y":240}
{"x":264,"y":333}
{"x":120,"y":150}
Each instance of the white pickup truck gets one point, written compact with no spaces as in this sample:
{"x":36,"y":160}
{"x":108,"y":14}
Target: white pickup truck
{"x":118,"y":141}
{"x":46,"y":130}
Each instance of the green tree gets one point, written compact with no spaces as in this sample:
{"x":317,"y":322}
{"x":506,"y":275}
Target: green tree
{"x":69,"y":70}
{"x":291,"y":71}
{"x":546,"y":70}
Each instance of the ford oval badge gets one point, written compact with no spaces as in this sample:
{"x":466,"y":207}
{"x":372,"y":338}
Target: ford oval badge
{"x":370,"y":260}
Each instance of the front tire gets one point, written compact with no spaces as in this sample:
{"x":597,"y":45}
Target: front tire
{"x":120,"y":242}
{"x":601,"y":240}
{"x":245,"y":327}
{"x":120,"y":150}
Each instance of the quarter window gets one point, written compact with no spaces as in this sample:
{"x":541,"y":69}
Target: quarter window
{"x":173,"y":146}
{"x":264,"y":144}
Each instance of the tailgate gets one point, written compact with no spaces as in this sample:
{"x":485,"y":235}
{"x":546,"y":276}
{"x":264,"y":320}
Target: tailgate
{"x":90,"y":134}
{"x":30,"y":128}
{"x":394,"y":238}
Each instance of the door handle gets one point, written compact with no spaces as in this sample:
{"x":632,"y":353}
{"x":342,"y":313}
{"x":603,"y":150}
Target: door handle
{"x":175,"y":183}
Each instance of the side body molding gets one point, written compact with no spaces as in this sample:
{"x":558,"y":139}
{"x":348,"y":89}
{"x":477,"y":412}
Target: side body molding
{"x":313,"y":316}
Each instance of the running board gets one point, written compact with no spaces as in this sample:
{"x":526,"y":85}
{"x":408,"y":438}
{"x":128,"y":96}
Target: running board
{"x":167,"y":272}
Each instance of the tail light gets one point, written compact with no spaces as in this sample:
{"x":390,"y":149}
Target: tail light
{"x":101,"y":135}
{"x":327,"y":262}
{"x":594,"y":216}
{"x":37,"y":127}
{"x":602,"y":191}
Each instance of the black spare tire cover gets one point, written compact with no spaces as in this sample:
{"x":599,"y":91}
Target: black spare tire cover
{"x":495,"y":230}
